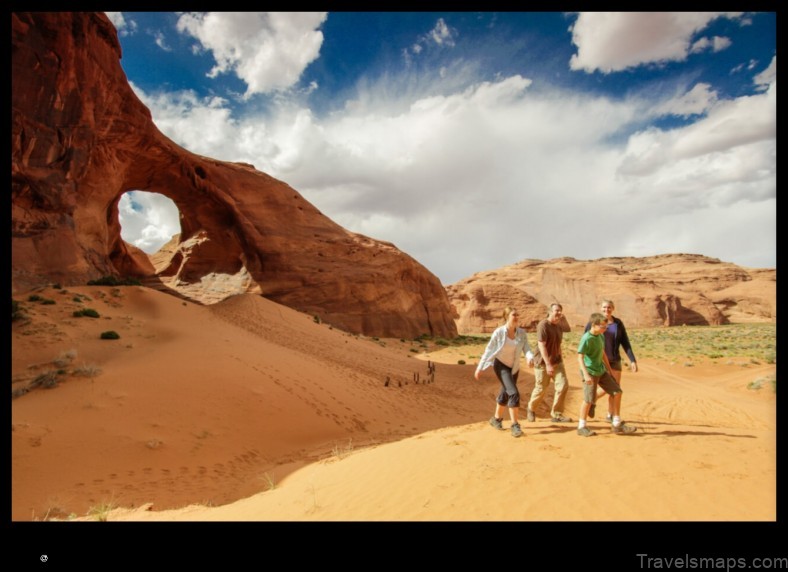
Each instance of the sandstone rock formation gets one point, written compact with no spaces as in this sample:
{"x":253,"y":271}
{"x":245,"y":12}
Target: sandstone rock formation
{"x":81,"y":138}
{"x":665,"y":290}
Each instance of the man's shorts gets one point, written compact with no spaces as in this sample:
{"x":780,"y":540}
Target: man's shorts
{"x":605,"y":381}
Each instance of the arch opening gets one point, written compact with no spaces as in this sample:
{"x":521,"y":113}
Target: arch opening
{"x":148,"y":220}
{"x":184,"y":248}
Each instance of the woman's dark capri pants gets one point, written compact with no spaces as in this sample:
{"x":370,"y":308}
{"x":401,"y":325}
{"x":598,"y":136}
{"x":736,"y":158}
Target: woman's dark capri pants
{"x":508,"y":395}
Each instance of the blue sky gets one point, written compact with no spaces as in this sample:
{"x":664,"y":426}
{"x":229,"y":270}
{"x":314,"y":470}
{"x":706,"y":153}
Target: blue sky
{"x":474,"y":140}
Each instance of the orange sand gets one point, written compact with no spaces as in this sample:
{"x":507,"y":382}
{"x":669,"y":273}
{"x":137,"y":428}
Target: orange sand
{"x":250,"y":411}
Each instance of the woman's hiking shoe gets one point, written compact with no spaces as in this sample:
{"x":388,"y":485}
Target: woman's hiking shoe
{"x":585,"y":432}
{"x":496,"y":423}
{"x":516,"y":431}
{"x":561,"y":419}
{"x":624,"y":429}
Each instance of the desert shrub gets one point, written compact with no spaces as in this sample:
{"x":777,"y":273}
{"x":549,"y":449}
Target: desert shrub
{"x":34,"y":298}
{"x":57,"y":286}
{"x":114,"y":281}
{"x":461,"y":361}
{"x":101,"y":511}
{"x":48,"y":380}
{"x":110,"y":335}
{"x":316,"y":319}
{"x":18,"y":392}
{"x":16,"y":311}
{"x":89,"y":312}
{"x":87,"y":370}
{"x":47,"y":301}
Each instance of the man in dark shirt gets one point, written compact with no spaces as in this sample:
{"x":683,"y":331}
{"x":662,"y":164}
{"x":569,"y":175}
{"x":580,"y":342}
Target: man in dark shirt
{"x":549,"y":364}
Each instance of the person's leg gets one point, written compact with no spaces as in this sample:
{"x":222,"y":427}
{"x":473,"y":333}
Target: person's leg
{"x":612,"y":388}
{"x":537,"y":395}
{"x":589,"y":397}
{"x":513,"y":402}
{"x":561,"y":387}
{"x":616,"y":367}
{"x":501,"y":399}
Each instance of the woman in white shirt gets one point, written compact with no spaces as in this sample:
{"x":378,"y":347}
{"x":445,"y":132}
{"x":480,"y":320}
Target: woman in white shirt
{"x":503,"y":353}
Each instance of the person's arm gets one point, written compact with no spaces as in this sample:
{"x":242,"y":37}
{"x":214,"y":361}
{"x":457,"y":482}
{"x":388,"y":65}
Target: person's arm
{"x":633,"y":364}
{"x":607,"y":363}
{"x":489,"y":351}
{"x":583,"y":370}
{"x":563,"y":323}
{"x":529,"y":354}
{"x":543,"y":350}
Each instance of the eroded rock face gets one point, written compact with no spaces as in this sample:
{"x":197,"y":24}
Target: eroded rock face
{"x":666,"y":290}
{"x":81,"y":138}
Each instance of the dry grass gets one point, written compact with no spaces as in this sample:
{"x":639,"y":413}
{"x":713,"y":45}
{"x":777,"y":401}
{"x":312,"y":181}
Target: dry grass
{"x":757,"y":343}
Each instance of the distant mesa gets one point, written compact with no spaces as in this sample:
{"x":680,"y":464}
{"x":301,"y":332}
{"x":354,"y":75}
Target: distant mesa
{"x":80,"y":138}
{"x":665,"y":290}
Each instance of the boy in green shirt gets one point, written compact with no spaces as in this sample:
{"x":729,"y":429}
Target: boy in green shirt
{"x":595,"y":371}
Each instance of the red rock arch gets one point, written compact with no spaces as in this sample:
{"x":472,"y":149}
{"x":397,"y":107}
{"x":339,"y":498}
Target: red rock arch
{"x":81,"y":138}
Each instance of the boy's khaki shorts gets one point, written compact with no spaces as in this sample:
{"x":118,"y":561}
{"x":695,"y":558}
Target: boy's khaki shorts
{"x":605,"y":381}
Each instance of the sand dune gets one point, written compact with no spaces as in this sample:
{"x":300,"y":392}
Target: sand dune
{"x":250,"y":411}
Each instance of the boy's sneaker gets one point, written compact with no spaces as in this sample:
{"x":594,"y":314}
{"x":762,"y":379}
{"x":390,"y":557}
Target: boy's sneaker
{"x":516,"y":431}
{"x":585,"y":432}
{"x":624,"y":429}
{"x":496,"y":423}
{"x":530,"y":416}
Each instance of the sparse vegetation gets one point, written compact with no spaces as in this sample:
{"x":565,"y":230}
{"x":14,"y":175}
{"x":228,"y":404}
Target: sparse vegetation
{"x":341,"y":452}
{"x":89,"y":312}
{"x":101,"y":511}
{"x":65,"y":358}
{"x":47,"y":380}
{"x":40,"y":299}
{"x":269,"y":481}
{"x":761,"y":381}
{"x":754,"y":341}
{"x":16,"y":311}
{"x":461,"y":362}
{"x":87,"y":370}
{"x":114,"y":281}
{"x":110,"y":335}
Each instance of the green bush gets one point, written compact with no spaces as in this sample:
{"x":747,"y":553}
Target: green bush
{"x":110,"y":335}
{"x":34,"y":298}
{"x":89,"y":312}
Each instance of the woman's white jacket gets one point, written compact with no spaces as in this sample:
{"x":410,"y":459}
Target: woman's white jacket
{"x":496,"y":345}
